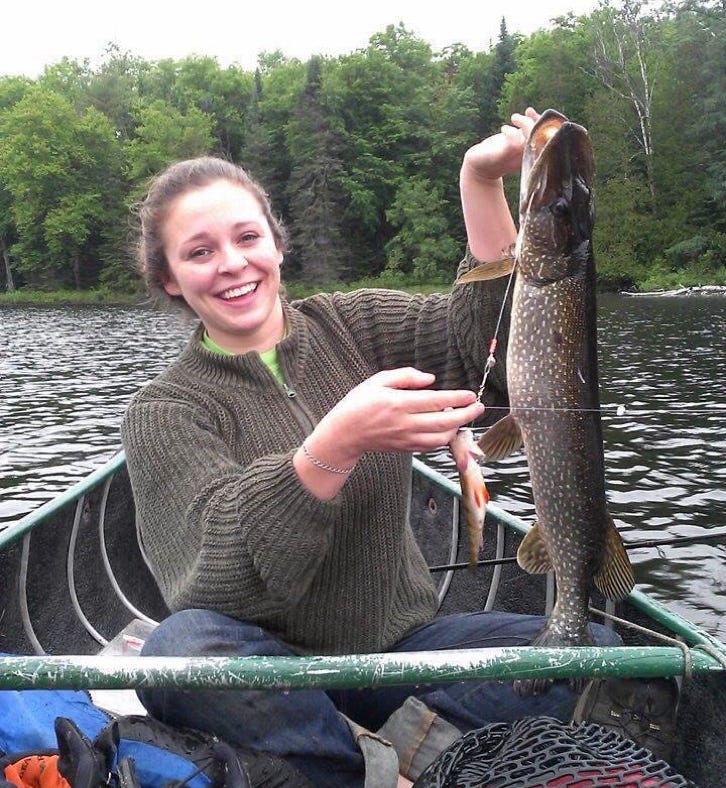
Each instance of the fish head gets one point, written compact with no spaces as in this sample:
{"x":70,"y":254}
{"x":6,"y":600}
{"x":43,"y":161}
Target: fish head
{"x":556,"y":201}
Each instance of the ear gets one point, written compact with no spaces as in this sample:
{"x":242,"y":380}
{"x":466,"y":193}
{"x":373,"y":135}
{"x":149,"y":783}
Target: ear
{"x":171,"y":287}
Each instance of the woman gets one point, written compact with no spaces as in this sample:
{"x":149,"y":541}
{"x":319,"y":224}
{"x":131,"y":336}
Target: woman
{"x":271,"y":463}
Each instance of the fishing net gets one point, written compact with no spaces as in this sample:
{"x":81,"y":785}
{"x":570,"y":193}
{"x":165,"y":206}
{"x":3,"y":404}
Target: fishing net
{"x":541,"y":752}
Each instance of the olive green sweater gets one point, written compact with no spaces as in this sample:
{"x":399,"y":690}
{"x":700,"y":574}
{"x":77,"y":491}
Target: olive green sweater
{"x":224,"y":519}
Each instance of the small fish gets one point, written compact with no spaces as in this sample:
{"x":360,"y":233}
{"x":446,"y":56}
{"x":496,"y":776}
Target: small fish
{"x":474,"y":493}
{"x":552,"y":377}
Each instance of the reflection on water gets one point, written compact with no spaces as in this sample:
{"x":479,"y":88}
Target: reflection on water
{"x":66,"y":375}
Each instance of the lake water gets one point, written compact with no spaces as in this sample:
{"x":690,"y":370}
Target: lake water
{"x":66,"y":375}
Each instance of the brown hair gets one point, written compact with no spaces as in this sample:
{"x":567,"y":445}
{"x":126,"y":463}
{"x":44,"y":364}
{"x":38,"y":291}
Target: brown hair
{"x":178,"y":179}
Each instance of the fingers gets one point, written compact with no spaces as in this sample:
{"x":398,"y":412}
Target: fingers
{"x":402,"y":378}
{"x":397,"y":410}
{"x":438,"y":403}
{"x":419,"y":398}
{"x":435,"y":430}
{"x":448,"y":421}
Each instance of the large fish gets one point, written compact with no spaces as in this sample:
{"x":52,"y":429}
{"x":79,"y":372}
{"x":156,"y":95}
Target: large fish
{"x":552,"y":377}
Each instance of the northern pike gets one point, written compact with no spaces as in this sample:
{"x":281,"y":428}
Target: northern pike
{"x":474,"y":493}
{"x":552,"y":377}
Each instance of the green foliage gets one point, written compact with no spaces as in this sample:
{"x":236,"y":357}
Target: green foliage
{"x":56,"y":164}
{"x":165,"y":134}
{"x":360,"y":154}
{"x":314,"y":191}
{"x":549,"y":72}
{"x":421,"y":250}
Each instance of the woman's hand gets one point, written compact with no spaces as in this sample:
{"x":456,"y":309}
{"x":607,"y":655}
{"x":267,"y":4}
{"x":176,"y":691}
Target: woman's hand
{"x":490,"y":228}
{"x":501,"y":154}
{"x":396,"y":410}
{"x":393,"y":410}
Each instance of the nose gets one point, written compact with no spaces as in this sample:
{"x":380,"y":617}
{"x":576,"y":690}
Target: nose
{"x":232,"y":259}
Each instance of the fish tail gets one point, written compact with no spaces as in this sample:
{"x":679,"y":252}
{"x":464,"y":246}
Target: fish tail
{"x":549,"y":637}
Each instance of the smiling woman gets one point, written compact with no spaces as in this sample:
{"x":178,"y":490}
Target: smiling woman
{"x":271,"y":464}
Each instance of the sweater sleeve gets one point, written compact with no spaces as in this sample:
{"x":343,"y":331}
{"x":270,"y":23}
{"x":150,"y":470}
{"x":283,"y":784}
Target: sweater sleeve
{"x":243,"y":540}
{"x":448,"y":334}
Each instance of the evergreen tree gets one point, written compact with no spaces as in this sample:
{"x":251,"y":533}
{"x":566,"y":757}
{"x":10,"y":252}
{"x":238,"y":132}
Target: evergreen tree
{"x":315,"y":196}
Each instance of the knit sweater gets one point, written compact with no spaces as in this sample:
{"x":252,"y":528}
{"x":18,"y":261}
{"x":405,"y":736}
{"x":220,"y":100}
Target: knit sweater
{"x":223,"y":517}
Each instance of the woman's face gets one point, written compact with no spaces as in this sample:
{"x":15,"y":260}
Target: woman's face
{"x":223,"y":260}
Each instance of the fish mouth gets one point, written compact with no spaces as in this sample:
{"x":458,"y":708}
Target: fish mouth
{"x":557,"y":165}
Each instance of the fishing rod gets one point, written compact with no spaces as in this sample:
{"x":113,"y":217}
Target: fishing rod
{"x":674,"y":540}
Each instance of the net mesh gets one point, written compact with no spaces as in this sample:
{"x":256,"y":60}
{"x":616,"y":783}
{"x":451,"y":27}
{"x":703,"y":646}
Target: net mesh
{"x":541,"y":752}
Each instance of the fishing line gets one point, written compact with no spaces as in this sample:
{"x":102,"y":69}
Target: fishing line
{"x":491,"y":360}
{"x":621,"y":410}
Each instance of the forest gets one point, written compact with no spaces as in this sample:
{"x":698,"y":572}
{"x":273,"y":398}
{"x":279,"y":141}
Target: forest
{"x":360,"y":153}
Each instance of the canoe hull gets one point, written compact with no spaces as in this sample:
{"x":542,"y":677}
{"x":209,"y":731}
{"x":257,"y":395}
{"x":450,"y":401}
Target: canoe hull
{"x":42,"y":609}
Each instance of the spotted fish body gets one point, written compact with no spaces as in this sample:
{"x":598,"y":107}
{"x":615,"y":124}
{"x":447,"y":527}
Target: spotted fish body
{"x":552,"y":377}
{"x":474,"y":493}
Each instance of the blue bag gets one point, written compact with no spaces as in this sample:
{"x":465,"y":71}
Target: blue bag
{"x":96,"y":749}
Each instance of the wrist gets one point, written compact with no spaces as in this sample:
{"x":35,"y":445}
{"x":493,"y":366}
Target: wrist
{"x":322,"y":464}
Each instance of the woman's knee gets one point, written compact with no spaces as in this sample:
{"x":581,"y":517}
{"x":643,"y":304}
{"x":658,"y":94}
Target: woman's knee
{"x":196,"y":632}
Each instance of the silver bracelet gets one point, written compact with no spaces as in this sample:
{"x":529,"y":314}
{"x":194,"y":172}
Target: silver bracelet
{"x":322,"y":465}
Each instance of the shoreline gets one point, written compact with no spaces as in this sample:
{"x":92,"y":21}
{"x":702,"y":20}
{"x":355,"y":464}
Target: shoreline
{"x":41,"y":298}
{"x":680,"y":291}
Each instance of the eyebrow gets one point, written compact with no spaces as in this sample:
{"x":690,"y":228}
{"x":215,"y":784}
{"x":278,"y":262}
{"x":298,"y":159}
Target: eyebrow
{"x":203,"y":234}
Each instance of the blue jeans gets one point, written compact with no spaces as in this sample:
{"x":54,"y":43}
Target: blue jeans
{"x":305,"y":727}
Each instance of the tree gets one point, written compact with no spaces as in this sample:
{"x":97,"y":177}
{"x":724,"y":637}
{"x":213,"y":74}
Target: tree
{"x":70,"y":79}
{"x":56,"y":163}
{"x":163,"y":135}
{"x":275,"y":97}
{"x":315,"y":196}
{"x":626,"y":53}
{"x":115,"y":89}
{"x":422,"y":250}
{"x":12,"y":90}
{"x":383,"y":97}
{"x":551,"y":72}
{"x":7,"y":237}
{"x":692,"y":116}
{"x":222,"y":94}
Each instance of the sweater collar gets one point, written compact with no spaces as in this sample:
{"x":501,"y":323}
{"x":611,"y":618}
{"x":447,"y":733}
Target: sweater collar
{"x":249,"y":367}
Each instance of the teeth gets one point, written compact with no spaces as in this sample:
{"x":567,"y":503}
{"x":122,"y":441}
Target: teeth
{"x":240,"y":291}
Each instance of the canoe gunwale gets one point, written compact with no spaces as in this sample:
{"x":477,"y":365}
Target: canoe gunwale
{"x":351,"y":671}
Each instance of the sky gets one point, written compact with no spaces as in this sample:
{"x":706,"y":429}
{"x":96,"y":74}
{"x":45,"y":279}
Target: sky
{"x":37,"y":33}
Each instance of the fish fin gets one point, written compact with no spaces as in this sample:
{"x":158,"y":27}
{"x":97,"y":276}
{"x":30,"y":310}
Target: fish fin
{"x":615,"y":579}
{"x":532,"y":554}
{"x":501,"y":439}
{"x":487,"y":271}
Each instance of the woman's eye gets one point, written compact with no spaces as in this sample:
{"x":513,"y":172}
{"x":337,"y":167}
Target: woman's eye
{"x":197,"y":253}
{"x":248,"y":237}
